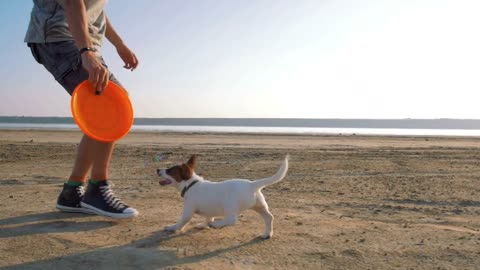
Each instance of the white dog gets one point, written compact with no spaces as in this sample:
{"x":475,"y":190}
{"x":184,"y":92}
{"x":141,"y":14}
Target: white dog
{"x":216,"y":199}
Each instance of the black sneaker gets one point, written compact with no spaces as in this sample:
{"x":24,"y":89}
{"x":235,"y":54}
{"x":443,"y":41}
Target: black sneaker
{"x":69,"y":200}
{"x":100,"y":199}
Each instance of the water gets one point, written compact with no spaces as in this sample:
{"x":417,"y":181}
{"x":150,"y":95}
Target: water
{"x":262,"y":129}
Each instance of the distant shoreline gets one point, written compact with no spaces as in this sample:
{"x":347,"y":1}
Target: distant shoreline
{"x":443,"y":123}
{"x":133,"y":132}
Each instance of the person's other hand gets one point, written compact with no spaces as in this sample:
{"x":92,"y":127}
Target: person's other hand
{"x":128,"y":57}
{"x":97,"y":73}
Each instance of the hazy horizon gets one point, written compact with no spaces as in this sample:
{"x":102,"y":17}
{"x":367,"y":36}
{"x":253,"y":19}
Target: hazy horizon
{"x":441,"y":123}
{"x":332,"y":118}
{"x":347,"y":59}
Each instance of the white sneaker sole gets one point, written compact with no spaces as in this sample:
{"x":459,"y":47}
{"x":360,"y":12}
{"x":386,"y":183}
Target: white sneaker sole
{"x":108,"y":214}
{"x":75,"y":209}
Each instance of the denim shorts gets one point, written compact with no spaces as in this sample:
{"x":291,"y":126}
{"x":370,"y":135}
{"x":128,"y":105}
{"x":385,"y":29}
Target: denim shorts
{"x":63,"y":61}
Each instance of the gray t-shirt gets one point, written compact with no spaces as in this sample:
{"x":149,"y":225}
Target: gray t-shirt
{"x":49,"y":24}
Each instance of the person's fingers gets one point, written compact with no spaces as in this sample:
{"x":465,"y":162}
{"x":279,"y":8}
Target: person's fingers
{"x":98,"y":74}
{"x":124,"y":59}
{"x":104,"y":82}
{"x":93,"y":78}
{"x":130,"y":60}
{"x":96,"y":78}
{"x":127,"y":62}
{"x":135,"y":62}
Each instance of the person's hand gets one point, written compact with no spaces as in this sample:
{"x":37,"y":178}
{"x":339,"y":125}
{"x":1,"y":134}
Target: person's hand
{"x":128,"y":57}
{"x":97,"y":73}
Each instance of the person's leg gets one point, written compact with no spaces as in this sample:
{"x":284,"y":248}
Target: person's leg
{"x":101,"y":162}
{"x":83,"y":161}
{"x":99,"y":199}
{"x":92,"y":156}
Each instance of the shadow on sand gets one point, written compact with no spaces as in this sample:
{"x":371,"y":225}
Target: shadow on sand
{"x":145,"y":253}
{"x":40,"y":217}
{"x":53,"y":222}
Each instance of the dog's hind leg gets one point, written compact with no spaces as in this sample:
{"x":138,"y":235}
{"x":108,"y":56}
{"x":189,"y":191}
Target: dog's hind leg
{"x":226,"y":221}
{"x":231,"y":216}
{"x":205,"y":224}
{"x":261,"y":207}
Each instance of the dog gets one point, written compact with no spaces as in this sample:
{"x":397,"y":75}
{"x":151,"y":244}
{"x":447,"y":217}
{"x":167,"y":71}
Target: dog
{"x":218,"y":199}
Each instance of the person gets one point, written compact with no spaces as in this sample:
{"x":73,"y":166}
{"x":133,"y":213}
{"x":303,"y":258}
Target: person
{"x":66,"y":36}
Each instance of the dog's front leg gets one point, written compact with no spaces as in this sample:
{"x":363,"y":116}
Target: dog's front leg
{"x":182,"y":221}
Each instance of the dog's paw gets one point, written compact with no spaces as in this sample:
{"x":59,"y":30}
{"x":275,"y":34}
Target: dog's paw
{"x":213,"y":225}
{"x":171,"y":228}
{"x":202,"y":225}
{"x":266,"y":236}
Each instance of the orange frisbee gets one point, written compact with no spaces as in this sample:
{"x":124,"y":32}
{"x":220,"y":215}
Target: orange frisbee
{"x":107,"y":117}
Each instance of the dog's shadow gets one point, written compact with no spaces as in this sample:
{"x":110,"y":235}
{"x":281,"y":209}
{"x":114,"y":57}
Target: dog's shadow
{"x":146,"y":253}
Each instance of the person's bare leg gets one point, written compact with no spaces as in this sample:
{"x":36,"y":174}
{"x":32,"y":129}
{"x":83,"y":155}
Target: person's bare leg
{"x":99,"y":199}
{"x":101,"y":160}
{"x":88,"y":152}
{"x":92,"y":155}
{"x":84,"y":160}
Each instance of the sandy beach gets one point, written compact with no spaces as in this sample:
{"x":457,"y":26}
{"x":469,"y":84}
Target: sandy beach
{"x":348,"y":202}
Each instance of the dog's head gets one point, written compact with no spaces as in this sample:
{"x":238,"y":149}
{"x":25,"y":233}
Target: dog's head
{"x":178,"y":173}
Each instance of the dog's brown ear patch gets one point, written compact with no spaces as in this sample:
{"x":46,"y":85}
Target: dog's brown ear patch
{"x":186,"y":172}
{"x":192,"y":162}
{"x":180,"y":172}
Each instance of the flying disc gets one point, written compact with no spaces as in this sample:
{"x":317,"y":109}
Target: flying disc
{"x":106,"y":117}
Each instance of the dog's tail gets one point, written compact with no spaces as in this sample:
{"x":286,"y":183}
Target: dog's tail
{"x":282,"y":171}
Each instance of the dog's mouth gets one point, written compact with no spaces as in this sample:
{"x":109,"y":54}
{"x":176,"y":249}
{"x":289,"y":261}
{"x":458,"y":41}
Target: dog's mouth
{"x":164,"y":182}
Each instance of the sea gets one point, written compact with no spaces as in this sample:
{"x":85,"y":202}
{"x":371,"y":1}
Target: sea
{"x":400,"y":127}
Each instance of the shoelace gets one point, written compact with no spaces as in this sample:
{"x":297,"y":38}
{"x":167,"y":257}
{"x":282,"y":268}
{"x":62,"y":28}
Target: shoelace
{"x":80,"y":191}
{"x":110,"y":198}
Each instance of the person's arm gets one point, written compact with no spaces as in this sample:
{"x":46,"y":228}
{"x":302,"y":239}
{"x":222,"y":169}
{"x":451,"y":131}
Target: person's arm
{"x":128,"y":57}
{"x":76,"y":15}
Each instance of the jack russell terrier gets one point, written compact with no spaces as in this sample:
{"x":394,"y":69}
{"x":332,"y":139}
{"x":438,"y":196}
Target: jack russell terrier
{"x":217,"y":199}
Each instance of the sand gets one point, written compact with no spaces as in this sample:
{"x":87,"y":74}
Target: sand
{"x":348,"y":202}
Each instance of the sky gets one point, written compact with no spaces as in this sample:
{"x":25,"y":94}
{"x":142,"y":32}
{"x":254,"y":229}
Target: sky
{"x":265,"y":58}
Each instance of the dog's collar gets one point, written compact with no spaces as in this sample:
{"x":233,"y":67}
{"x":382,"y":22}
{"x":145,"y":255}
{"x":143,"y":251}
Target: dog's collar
{"x":185,"y":189}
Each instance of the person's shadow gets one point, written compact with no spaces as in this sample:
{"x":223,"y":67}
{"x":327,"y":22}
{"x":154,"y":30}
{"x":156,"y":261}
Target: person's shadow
{"x":146,"y":253}
{"x":48,"y":223}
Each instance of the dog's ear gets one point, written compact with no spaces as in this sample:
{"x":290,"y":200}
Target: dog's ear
{"x":192,"y":162}
{"x":186,"y":172}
